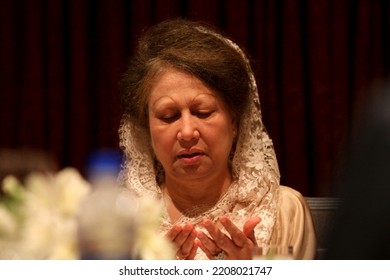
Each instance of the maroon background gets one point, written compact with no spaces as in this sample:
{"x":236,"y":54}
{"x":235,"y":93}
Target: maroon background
{"x":60,"y":62}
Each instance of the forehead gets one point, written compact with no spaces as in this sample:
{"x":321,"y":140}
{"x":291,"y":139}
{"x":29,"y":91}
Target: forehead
{"x":174,"y":84}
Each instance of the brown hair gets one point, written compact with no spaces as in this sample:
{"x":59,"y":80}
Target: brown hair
{"x":191,"y":47}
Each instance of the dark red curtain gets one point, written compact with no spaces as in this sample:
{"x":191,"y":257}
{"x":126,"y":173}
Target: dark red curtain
{"x":61,"y":60}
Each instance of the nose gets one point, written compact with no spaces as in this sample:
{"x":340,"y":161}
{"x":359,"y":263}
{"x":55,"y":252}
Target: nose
{"x":188,"y":130}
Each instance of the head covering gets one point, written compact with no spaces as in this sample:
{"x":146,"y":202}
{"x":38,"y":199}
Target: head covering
{"x":254,"y":191}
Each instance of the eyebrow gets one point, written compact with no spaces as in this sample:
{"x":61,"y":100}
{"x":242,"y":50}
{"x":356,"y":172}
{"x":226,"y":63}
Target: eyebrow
{"x":153,"y":105}
{"x":194,"y":100}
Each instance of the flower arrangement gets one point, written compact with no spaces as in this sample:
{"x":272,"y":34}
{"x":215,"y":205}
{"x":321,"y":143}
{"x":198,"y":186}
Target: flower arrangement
{"x":61,"y":216}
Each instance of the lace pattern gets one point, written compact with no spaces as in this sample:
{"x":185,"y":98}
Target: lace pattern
{"x":254,"y":191}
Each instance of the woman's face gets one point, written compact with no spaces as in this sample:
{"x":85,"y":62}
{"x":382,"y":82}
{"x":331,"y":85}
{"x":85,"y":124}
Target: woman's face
{"x":191,"y":127}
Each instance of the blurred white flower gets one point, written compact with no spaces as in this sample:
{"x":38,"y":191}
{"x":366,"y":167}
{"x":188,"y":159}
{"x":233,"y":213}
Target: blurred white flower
{"x":61,"y":216}
{"x":8,"y":225}
{"x":40,"y":217}
{"x":151,"y":245}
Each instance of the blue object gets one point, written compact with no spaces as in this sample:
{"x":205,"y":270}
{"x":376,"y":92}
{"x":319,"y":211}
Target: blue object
{"x":104,"y":162}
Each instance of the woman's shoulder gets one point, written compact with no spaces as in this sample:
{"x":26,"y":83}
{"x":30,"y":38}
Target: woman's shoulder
{"x":291,"y":199}
{"x":290,"y":193}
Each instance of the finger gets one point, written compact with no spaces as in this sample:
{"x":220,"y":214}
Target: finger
{"x":193,"y":251}
{"x":188,"y":244}
{"x":215,"y":233}
{"x":173,"y":232}
{"x":204,"y":243}
{"x":183,"y":235}
{"x":208,"y":244}
{"x":221,"y":240}
{"x":249,"y":228}
{"x":236,"y":234}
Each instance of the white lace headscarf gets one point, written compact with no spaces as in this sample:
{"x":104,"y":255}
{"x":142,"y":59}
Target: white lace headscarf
{"x":254,"y":167}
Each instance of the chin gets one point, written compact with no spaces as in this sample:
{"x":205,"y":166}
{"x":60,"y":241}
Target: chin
{"x":192,"y":173}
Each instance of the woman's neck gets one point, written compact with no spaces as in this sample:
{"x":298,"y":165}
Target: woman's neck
{"x":181,"y":196}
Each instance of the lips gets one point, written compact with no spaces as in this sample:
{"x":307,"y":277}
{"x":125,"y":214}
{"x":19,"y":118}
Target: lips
{"x":190,"y":155}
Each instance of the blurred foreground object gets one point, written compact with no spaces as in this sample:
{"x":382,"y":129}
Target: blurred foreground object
{"x":362,"y":229}
{"x":38,"y":217}
{"x":113,"y":225}
{"x":103,"y":166}
{"x":23,"y":161}
{"x":62,"y":216}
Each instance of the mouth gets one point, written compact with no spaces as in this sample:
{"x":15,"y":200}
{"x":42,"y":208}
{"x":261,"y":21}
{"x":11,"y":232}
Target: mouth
{"x":189,"y":155}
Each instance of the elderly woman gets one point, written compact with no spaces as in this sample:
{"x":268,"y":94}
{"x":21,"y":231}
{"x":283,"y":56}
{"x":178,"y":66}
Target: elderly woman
{"x":193,"y":138}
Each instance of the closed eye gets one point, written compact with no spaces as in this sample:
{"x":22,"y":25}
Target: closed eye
{"x":203,"y":115}
{"x":170,"y":118}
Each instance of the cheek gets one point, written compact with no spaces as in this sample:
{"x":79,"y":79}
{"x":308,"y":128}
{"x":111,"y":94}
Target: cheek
{"x":220,"y":138}
{"x":161,"y":141}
